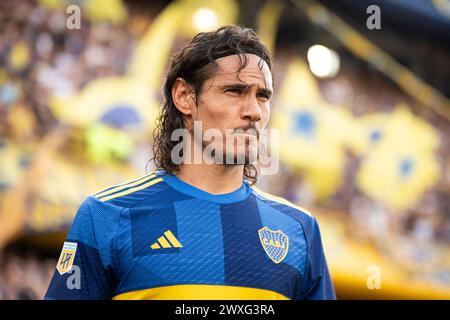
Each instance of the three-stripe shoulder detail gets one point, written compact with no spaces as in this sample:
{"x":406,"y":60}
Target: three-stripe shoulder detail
{"x":128,"y":188}
{"x":280,"y":200}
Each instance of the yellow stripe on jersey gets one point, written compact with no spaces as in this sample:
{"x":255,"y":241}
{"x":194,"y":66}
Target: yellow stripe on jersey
{"x":280,"y":200}
{"x":122,"y":186}
{"x":163,"y":242}
{"x":167,"y":240}
{"x":123,"y":193}
{"x":174,"y":241}
{"x":155,"y":246}
{"x":201,"y":292}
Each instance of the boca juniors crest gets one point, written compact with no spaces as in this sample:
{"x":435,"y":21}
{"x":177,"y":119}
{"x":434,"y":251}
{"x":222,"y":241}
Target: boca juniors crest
{"x":275,"y":243}
{"x":67,"y":257}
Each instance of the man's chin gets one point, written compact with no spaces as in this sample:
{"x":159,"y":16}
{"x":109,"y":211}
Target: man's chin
{"x":245,"y":157}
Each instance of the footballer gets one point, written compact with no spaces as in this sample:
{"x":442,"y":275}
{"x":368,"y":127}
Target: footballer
{"x":199,"y":229}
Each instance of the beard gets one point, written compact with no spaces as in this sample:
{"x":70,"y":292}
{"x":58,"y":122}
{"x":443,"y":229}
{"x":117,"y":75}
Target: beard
{"x":242,"y":152}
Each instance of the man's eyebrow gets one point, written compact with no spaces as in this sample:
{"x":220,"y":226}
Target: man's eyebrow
{"x":244,"y":86}
{"x":236,"y":85}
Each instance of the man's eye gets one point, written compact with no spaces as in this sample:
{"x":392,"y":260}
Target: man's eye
{"x":263,"y":95}
{"x":234,"y":90}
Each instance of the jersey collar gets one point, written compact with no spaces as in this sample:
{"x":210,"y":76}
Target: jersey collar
{"x":238,"y":195}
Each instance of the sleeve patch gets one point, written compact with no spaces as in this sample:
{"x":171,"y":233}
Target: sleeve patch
{"x":67,"y":257}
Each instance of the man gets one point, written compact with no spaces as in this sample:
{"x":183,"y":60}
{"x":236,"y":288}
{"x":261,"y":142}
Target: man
{"x":196,"y":229}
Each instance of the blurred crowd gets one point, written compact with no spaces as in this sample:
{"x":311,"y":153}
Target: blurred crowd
{"x":430,"y":219}
{"x":40,"y":58}
{"x":364,"y":92}
{"x":24,"y":274}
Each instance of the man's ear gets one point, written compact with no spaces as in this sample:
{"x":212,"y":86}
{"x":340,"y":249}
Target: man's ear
{"x":182,"y":97}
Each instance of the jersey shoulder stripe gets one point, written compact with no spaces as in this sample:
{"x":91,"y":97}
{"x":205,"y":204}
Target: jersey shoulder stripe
{"x":267,"y":196}
{"x":148,"y":183}
{"x":122,"y":186}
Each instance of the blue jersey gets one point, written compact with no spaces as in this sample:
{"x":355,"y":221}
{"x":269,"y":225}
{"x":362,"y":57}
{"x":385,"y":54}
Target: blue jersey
{"x":161,"y":238}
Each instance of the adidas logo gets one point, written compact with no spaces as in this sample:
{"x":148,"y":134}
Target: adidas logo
{"x":168,"y":240}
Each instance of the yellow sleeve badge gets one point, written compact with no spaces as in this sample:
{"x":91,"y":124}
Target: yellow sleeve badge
{"x":67,"y":257}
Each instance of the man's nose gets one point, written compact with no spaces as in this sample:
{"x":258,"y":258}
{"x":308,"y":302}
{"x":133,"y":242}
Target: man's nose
{"x":251,"y":110}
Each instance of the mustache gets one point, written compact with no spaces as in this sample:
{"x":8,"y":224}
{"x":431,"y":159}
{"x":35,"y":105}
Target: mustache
{"x":248,"y":129}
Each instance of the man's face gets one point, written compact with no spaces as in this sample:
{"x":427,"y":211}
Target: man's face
{"x":237,"y":101}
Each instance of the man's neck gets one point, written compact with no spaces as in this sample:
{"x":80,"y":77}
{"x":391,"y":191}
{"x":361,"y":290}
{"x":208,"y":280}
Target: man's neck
{"x":215,"y":179}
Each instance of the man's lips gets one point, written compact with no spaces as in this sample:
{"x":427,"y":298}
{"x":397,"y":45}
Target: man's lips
{"x":247,"y":132}
{"x":246,"y":136}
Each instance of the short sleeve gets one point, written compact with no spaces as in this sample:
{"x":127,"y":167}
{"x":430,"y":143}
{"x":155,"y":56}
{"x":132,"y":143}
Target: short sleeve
{"x":85,"y":266}
{"x":317,"y":284}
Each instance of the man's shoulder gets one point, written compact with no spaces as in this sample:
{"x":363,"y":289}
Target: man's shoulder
{"x":301,"y":215}
{"x":295,"y":211}
{"x":127,"y":194}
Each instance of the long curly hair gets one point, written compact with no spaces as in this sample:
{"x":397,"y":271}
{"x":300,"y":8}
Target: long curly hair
{"x":195,"y":63}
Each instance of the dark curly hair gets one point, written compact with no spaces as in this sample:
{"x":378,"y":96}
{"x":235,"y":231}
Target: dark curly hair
{"x":195,"y":63}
